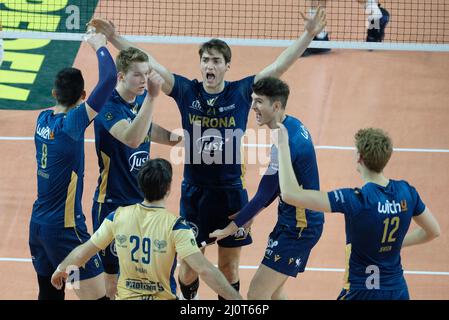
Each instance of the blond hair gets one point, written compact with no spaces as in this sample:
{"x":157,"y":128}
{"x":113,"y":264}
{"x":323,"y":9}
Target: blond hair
{"x":127,"y":57}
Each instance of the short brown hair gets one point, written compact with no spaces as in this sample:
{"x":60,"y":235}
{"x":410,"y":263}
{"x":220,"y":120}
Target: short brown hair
{"x":155,"y":179}
{"x":375,"y":148}
{"x":273,"y":88}
{"x":127,"y":57}
{"x":218,"y":45}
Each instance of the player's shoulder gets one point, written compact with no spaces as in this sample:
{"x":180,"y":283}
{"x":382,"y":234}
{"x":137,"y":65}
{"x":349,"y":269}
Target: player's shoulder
{"x":402,"y":186}
{"x":180,"y":224}
{"x":45,"y":114}
{"x":297,"y":131}
{"x":245,"y":80}
{"x":183,"y":79}
{"x":122,"y":211}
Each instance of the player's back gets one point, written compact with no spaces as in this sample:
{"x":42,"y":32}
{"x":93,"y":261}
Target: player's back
{"x":147,"y":240}
{"x":375,"y":229}
{"x":305,"y":166}
{"x":59,"y":141}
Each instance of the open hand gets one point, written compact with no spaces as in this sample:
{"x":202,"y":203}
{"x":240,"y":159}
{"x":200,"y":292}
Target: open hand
{"x":315,"y":24}
{"x":104,"y":26}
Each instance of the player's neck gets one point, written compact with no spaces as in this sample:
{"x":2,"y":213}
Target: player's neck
{"x":61,"y":109}
{"x":214,"y":90}
{"x":279,"y":118}
{"x":125,"y":94}
{"x":374,"y":177}
{"x":158,"y":203}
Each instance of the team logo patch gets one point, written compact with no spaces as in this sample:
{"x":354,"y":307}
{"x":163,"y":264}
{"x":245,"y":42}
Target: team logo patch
{"x":120,"y":239}
{"x":137,"y":160}
{"x":108,"y":116}
{"x":210,"y":144}
{"x":242,"y":233}
{"x":194,"y":228}
{"x":160,"y":245}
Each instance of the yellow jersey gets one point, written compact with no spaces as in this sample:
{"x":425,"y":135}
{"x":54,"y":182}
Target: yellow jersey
{"x":147,"y":241}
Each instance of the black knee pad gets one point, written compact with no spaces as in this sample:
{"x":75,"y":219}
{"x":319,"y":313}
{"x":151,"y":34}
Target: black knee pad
{"x":47,"y":291}
{"x":111,"y":268}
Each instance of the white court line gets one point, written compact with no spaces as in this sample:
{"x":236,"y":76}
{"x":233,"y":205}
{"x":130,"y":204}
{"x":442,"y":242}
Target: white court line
{"x":432,"y":273}
{"x":254,"y":145}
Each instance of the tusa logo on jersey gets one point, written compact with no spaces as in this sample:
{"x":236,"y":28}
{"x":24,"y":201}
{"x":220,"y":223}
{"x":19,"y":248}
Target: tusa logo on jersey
{"x":43,"y":132}
{"x":210,"y":144}
{"x":391,"y":207}
{"x":137,"y":160}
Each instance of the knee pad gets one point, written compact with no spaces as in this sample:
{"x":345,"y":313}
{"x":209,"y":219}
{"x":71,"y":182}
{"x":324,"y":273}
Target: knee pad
{"x":47,"y":291}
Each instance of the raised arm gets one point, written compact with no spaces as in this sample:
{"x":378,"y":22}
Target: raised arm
{"x":428,"y":230}
{"x":107,"y":76}
{"x":291,"y":192}
{"x":313,"y":26}
{"x":133,"y":134}
{"x":108,"y":28}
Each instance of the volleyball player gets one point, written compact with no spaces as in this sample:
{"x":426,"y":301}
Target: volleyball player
{"x":377,"y":217}
{"x":213,"y":186}
{"x":124,"y":131}
{"x":297,"y":230}
{"x":57,"y":221}
{"x":148,"y":240}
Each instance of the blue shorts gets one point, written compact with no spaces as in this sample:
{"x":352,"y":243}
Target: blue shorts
{"x":207,"y":209}
{"x":109,"y":255}
{"x":49,"y":245}
{"x":289,"y":248}
{"x":364,"y":294}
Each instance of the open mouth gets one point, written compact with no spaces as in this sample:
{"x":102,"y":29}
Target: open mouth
{"x":210,"y":76}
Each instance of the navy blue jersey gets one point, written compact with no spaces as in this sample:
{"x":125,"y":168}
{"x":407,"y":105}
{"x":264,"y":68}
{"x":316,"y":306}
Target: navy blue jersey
{"x":377,"y":219}
{"x":214,"y":125}
{"x":119,"y":164}
{"x":302,"y":152}
{"x":59,"y":141}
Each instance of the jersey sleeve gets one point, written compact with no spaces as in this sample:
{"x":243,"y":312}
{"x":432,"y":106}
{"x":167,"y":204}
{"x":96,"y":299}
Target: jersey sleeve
{"x":110,"y":114}
{"x":419,"y":204}
{"x":346,"y":200}
{"x":104,"y":235}
{"x":76,"y":122}
{"x":267,"y":191}
{"x":245,"y":86}
{"x":184,"y":239}
{"x":181,"y":85}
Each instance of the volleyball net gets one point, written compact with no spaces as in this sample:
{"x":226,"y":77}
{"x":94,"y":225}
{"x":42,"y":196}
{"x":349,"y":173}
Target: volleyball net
{"x":413,"y":24}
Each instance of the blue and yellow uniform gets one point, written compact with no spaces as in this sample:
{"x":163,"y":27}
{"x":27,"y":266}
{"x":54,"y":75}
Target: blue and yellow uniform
{"x":377,"y":219}
{"x":57,"y":222}
{"x":148,"y":240}
{"x":213,"y":186}
{"x":119,"y":166}
{"x":297,"y":230}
